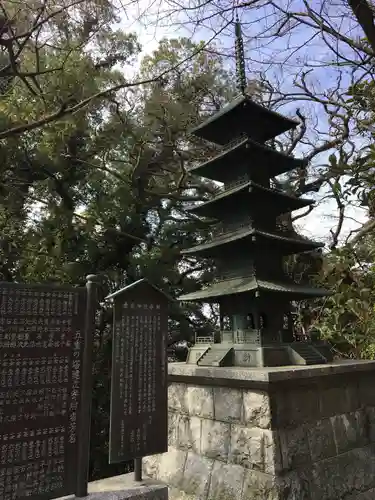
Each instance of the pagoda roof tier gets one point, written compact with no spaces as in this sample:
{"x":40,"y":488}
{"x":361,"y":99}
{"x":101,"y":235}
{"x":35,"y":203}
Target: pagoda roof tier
{"x":254,"y":155}
{"x":275,"y":200}
{"x":246,"y":115}
{"x":284,"y":244}
{"x":290,"y":290}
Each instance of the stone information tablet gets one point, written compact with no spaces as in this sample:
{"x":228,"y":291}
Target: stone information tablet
{"x":139,"y":415}
{"x":41,"y":346}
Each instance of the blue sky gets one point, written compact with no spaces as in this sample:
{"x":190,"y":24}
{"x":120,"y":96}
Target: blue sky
{"x":280,"y":60}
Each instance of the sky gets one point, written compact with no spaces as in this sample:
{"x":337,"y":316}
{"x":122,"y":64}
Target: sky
{"x":279,"y":60}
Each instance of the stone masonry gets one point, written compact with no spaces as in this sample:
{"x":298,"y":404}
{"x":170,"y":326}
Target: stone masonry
{"x":290,"y":433}
{"x":123,"y":487}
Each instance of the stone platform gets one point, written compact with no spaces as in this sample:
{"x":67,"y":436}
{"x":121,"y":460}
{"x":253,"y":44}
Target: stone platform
{"x":124,"y":488}
{"x":227,"y":354}
{"x":287,"y":433}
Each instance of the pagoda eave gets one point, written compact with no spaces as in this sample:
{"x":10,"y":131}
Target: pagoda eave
{"x":286,"y":244}
{"x":290,"y":291}
{"x":249,"y":191}
{"x":277,"y":163}
{"x":255,"y":120}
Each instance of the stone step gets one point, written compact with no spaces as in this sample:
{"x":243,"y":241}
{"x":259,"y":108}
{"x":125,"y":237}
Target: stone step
{"x":308,"y":353}
{"x":213,"y":356}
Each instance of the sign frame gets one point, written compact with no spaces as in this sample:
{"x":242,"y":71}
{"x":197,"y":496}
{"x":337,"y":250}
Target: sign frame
{"x":54,"y":319}
{"x":138,"y":415}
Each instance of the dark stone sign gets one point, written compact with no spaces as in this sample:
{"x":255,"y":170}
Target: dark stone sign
{"x":41,"y":345}
{"x":139,"y":414}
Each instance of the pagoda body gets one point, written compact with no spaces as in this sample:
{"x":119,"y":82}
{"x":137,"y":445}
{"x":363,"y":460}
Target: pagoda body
{"x":249,"y":244}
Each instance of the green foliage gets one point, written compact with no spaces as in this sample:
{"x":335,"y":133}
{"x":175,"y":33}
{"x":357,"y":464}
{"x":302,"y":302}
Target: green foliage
{"x":104,"y":190}
{"x":57,"y":58}
{"x":347,"y":317}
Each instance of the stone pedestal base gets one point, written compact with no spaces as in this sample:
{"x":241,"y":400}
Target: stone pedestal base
{"x":124,"y":488}
{"x":255,"y":355}
{"x":288,"y":433}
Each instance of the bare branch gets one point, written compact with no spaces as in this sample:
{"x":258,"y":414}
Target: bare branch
{"x":341,"y":207}
{"x":360,"y":233}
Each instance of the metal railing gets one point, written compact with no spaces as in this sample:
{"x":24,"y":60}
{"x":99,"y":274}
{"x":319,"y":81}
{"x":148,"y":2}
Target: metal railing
{"x":230,"y":185}
{"x":204,"y":340}
{"x":239,"y":270}
{"x":231,"y":227}
{"x":231,"y":144}
{"x":240,"y":336}
{"x":222,"y":149}
{"x":246,"y":336}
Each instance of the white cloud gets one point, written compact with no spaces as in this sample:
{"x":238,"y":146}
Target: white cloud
{"x":324,"y":217}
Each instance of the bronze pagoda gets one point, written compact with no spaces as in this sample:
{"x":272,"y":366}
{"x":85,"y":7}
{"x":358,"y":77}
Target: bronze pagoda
{"x":249,"y":244}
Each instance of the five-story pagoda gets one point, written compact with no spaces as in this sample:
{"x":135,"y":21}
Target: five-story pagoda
{"x":249,"y":244}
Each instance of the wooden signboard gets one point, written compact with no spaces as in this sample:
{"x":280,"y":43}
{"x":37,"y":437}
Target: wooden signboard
{"x":41,"y":345}
{"x":139,"y":415}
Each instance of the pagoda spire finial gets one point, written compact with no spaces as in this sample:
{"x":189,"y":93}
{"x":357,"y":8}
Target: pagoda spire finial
{"x":240,"y":58}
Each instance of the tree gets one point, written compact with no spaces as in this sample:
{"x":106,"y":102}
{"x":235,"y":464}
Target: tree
{"x":45,"y":43}
{"x":105,"y":190}
{"x":80,"y":34}
{"x":347,"y":317}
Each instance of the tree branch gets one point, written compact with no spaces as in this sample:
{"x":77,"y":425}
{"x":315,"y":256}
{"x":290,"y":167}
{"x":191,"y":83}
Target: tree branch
{"x":365,"y":16}
{"x":65,"y":109}
{"x":336,"y":233}
{"x":362,"y":232}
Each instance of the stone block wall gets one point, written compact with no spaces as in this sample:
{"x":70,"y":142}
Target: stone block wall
{"x":308,"y":437}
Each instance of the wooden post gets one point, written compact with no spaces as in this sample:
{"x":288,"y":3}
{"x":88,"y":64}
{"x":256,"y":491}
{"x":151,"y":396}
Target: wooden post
{"x":138,"y":469}
{"x":86,"y":393}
